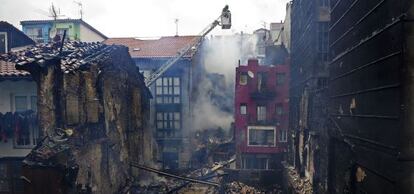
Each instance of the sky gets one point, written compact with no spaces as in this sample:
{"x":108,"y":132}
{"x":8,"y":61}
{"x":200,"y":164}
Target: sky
{"x":151,"y":18}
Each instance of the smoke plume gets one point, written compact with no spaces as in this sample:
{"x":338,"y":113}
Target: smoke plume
{"x":215,"y":93}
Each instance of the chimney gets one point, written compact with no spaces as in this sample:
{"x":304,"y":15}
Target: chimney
{"x":253,"y":62}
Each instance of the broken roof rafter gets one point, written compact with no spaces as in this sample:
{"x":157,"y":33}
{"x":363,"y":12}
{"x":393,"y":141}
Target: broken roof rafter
{"x":74,"y":55}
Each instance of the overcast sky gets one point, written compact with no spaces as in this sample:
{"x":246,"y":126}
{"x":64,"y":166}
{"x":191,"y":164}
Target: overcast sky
{"x":150,"y":18}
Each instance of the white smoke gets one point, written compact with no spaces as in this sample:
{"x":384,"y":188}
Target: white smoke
{"x":215,"y":98}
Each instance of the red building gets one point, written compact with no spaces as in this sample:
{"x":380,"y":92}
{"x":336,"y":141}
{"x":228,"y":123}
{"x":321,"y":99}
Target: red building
{"x":261,"y":114}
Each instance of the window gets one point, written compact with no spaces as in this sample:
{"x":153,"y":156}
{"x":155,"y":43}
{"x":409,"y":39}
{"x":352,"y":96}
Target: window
{"x":280,"y":78}
{"x":243,"y":109}
{"x":261,"y":113}
{"x":282,"y":136}
{"x":261,"y":136}
{"x":167,"y":90}
{"x":34,"y":33}
{"x":20,"y":103}
{"x":261,"y":81}
{"x":279,"y":109}
{"x":168,"y":120}
{"x":253,"y":162}
{"x":243,"y":78}
{"x":26,"y":130}
{"x":33,"y":103}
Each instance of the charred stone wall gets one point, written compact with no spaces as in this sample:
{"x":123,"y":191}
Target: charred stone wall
{"x":370,"y":92}
{"x":307,"y":153}
{"x":104,"y":104}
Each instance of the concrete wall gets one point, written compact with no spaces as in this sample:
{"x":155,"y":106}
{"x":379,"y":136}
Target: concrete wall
{"x":10,"y":89}
{"x":87,"y":35}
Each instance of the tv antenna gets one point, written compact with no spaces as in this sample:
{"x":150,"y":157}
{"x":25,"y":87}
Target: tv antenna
{"x":80,"y":8}
{"x":176,"y":26}
{"x":54,"y":12}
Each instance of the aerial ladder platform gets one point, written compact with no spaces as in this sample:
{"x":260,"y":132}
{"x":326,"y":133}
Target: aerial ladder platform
{"x":224,"y":20}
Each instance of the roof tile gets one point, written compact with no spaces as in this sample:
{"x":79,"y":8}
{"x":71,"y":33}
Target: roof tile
{"x":7,"y":69}
{"x":167,"y":46}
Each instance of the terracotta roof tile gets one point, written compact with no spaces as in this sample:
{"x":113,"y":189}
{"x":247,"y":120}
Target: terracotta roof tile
{"x":7,"y":69}
{"x":164,"y":47}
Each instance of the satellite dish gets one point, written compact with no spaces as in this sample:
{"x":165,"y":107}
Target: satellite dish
{"x":52,"y":33}
{"x":251,"y":74}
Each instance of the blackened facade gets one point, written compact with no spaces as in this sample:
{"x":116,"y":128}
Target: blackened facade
{"x":309,"y":55}
{"x":370,"y":97}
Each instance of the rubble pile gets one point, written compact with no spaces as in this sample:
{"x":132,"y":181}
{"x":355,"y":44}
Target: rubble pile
{"x":301,"y":185}
{"x":238,"y":187}
{"x":211,"y":145}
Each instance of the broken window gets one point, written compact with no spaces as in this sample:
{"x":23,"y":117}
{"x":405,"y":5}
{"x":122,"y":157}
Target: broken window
{"x":168,"y":120}
{"x":252,"y":162}
{"x":243,"y":78}
{"x":261,"y":81}
{"x":168,"y":90}
{"x":243,"y":109}
{"x":261,"y":136}
{"x":282,"y":135}
{"x":261,"y":113}
{"x":20,"y":103}
{"x":279,"y":109}
{"x":280,"y":78}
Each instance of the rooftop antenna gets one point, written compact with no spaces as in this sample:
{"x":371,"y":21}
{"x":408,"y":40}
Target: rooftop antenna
{"x":176,"y":26}
{"x":264,"y":24}
{"x":54,"y":13}
{"x":80,"y":8}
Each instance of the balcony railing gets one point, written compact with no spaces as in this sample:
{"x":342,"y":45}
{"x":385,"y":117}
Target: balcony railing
{"x":264,"y":94}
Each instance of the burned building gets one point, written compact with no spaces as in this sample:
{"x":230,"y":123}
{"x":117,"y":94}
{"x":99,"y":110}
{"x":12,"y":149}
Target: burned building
{"x":306,"y":167}
{"x":261,"y":119}
{"x":93,"y":110}
{"x":370,"y":97}
{"x":173,"y":103}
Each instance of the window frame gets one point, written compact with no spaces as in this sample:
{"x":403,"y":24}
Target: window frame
{"x":243,"y":79}
{"x":15,"y":103}
{"x":281,"y":108}
{"x":261,"y":117}
{"x":168,"y":90}
{"x":280,"y":81}
{"x":168,"y":119}
{"x":245,"y":108}
{"x":282,"y":135}
{"x":265,"y":128}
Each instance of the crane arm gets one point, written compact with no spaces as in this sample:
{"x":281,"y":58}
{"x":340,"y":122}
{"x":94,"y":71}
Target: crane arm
{"x":194,"y":44}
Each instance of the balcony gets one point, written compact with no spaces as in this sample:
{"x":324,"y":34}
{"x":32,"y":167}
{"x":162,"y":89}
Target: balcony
{"x":268,"y":122}
{"x":264,"y":94}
